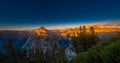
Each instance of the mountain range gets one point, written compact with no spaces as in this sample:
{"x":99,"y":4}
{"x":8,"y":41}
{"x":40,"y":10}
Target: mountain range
{"x":62,"y":37}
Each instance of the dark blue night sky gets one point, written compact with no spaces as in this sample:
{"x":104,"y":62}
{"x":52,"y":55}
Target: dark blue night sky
{"x":32,"y":13}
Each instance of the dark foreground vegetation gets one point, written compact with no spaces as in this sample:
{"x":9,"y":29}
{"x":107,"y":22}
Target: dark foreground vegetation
{"x":107,"y":51}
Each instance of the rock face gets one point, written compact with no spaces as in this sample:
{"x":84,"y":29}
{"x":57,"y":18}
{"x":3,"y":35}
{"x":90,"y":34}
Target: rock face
{"x":46,"y":39}
{"x":18,"y":37}
{"x":40,"y":35}
{"x":69,"y":53}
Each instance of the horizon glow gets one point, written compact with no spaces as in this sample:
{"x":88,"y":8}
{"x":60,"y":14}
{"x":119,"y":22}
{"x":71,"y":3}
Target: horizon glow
{"x":30,"y":14}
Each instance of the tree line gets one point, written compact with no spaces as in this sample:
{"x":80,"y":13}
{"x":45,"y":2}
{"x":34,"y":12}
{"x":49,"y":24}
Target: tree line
{"x":85,"y":39}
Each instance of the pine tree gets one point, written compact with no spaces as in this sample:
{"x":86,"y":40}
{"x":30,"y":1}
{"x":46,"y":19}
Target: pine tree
{"x":92,"y":38}
{"x":79,"y":42}
{"x":10,"y":49}
{"x":0,"y":52}
{"x":82,"y":37}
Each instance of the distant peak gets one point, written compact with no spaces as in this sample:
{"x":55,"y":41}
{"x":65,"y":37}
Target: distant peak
{"x":41,"y":31}
{"x":41,"y":27}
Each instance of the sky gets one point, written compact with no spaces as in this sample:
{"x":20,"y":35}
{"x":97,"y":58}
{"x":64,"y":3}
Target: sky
{"x":23,"y":14}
